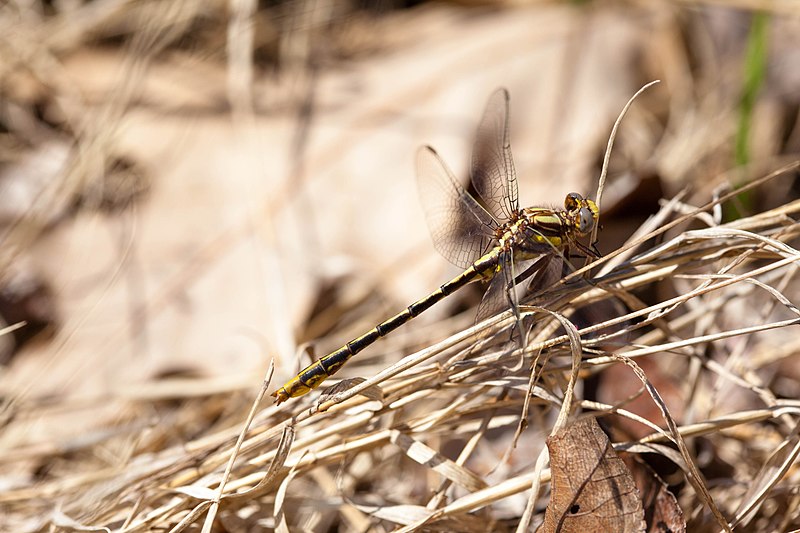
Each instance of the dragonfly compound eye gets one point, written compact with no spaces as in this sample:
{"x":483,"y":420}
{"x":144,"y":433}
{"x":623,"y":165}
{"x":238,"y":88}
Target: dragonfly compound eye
{"x":572,"y":201}
{"x":585,"y":221}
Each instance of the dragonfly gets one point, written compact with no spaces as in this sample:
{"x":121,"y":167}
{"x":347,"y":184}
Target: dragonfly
{"x":488,"y":236}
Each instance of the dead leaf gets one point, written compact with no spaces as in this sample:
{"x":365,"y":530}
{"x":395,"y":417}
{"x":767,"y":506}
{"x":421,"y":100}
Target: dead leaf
{"x":592,"y":489}
{"x":662,"y":512}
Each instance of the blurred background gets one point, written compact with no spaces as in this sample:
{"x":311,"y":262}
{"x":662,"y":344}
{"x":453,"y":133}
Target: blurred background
{"x":189,"y":189}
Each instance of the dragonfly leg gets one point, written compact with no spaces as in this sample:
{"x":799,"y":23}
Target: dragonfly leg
{"x":590,"y":250}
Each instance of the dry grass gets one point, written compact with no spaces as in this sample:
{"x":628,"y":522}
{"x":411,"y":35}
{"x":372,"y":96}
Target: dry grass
{"x":445,"y":407}
{"x":696,"y":372}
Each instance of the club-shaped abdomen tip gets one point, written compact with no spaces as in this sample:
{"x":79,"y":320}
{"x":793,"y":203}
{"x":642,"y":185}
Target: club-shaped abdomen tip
{"x":280,"y":396}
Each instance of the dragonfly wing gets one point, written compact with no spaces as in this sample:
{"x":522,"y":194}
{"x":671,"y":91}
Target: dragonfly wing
{"x":497,"y":297}
{"x":504,"y":293}
{"x":462,"y":230}
{"x":550,"y":270}
{"x":492,"y":172}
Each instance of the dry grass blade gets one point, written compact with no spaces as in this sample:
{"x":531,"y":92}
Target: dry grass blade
{"x":191,"y":518}
{"x":693,"y":473}
{"x":416,"y":517}
{"x":601,"y":182}
{"x":770,"y":474}
{"x":425,"y":455}
{"x":576,"y":351}
{"x":280,"y":498}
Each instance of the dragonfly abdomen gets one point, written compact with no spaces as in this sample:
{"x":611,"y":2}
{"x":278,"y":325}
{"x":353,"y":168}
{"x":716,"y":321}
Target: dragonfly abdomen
{"x":311,"y":376}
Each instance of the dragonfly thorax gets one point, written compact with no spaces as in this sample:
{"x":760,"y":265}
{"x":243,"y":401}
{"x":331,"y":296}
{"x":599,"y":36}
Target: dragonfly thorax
{"x":537,"y":230}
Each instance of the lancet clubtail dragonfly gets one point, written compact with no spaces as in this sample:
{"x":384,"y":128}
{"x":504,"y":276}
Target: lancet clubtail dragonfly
{"x":485,"y":236}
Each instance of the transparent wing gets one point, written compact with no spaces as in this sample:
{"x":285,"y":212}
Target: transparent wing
{"x":496,"y":298}
{"x":503,"y":293}
{"x":492,"y":173}
{"x":461,"y":229}
{"x":551,"y":269}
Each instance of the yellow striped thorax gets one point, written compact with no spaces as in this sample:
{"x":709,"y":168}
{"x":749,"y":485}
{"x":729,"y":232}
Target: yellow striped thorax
{"x":538,"y":230}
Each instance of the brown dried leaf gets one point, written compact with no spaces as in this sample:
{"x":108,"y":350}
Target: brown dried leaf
{"x":662,"y":512}
{"x":592,"y":489}
{"x":275,"y":466}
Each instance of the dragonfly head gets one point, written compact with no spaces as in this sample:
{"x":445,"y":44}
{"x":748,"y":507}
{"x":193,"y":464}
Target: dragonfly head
{"x":583,"y":213}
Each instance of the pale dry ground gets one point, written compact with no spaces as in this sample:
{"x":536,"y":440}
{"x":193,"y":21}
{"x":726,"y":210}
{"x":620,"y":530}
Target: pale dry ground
{"x":217,"y":268}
